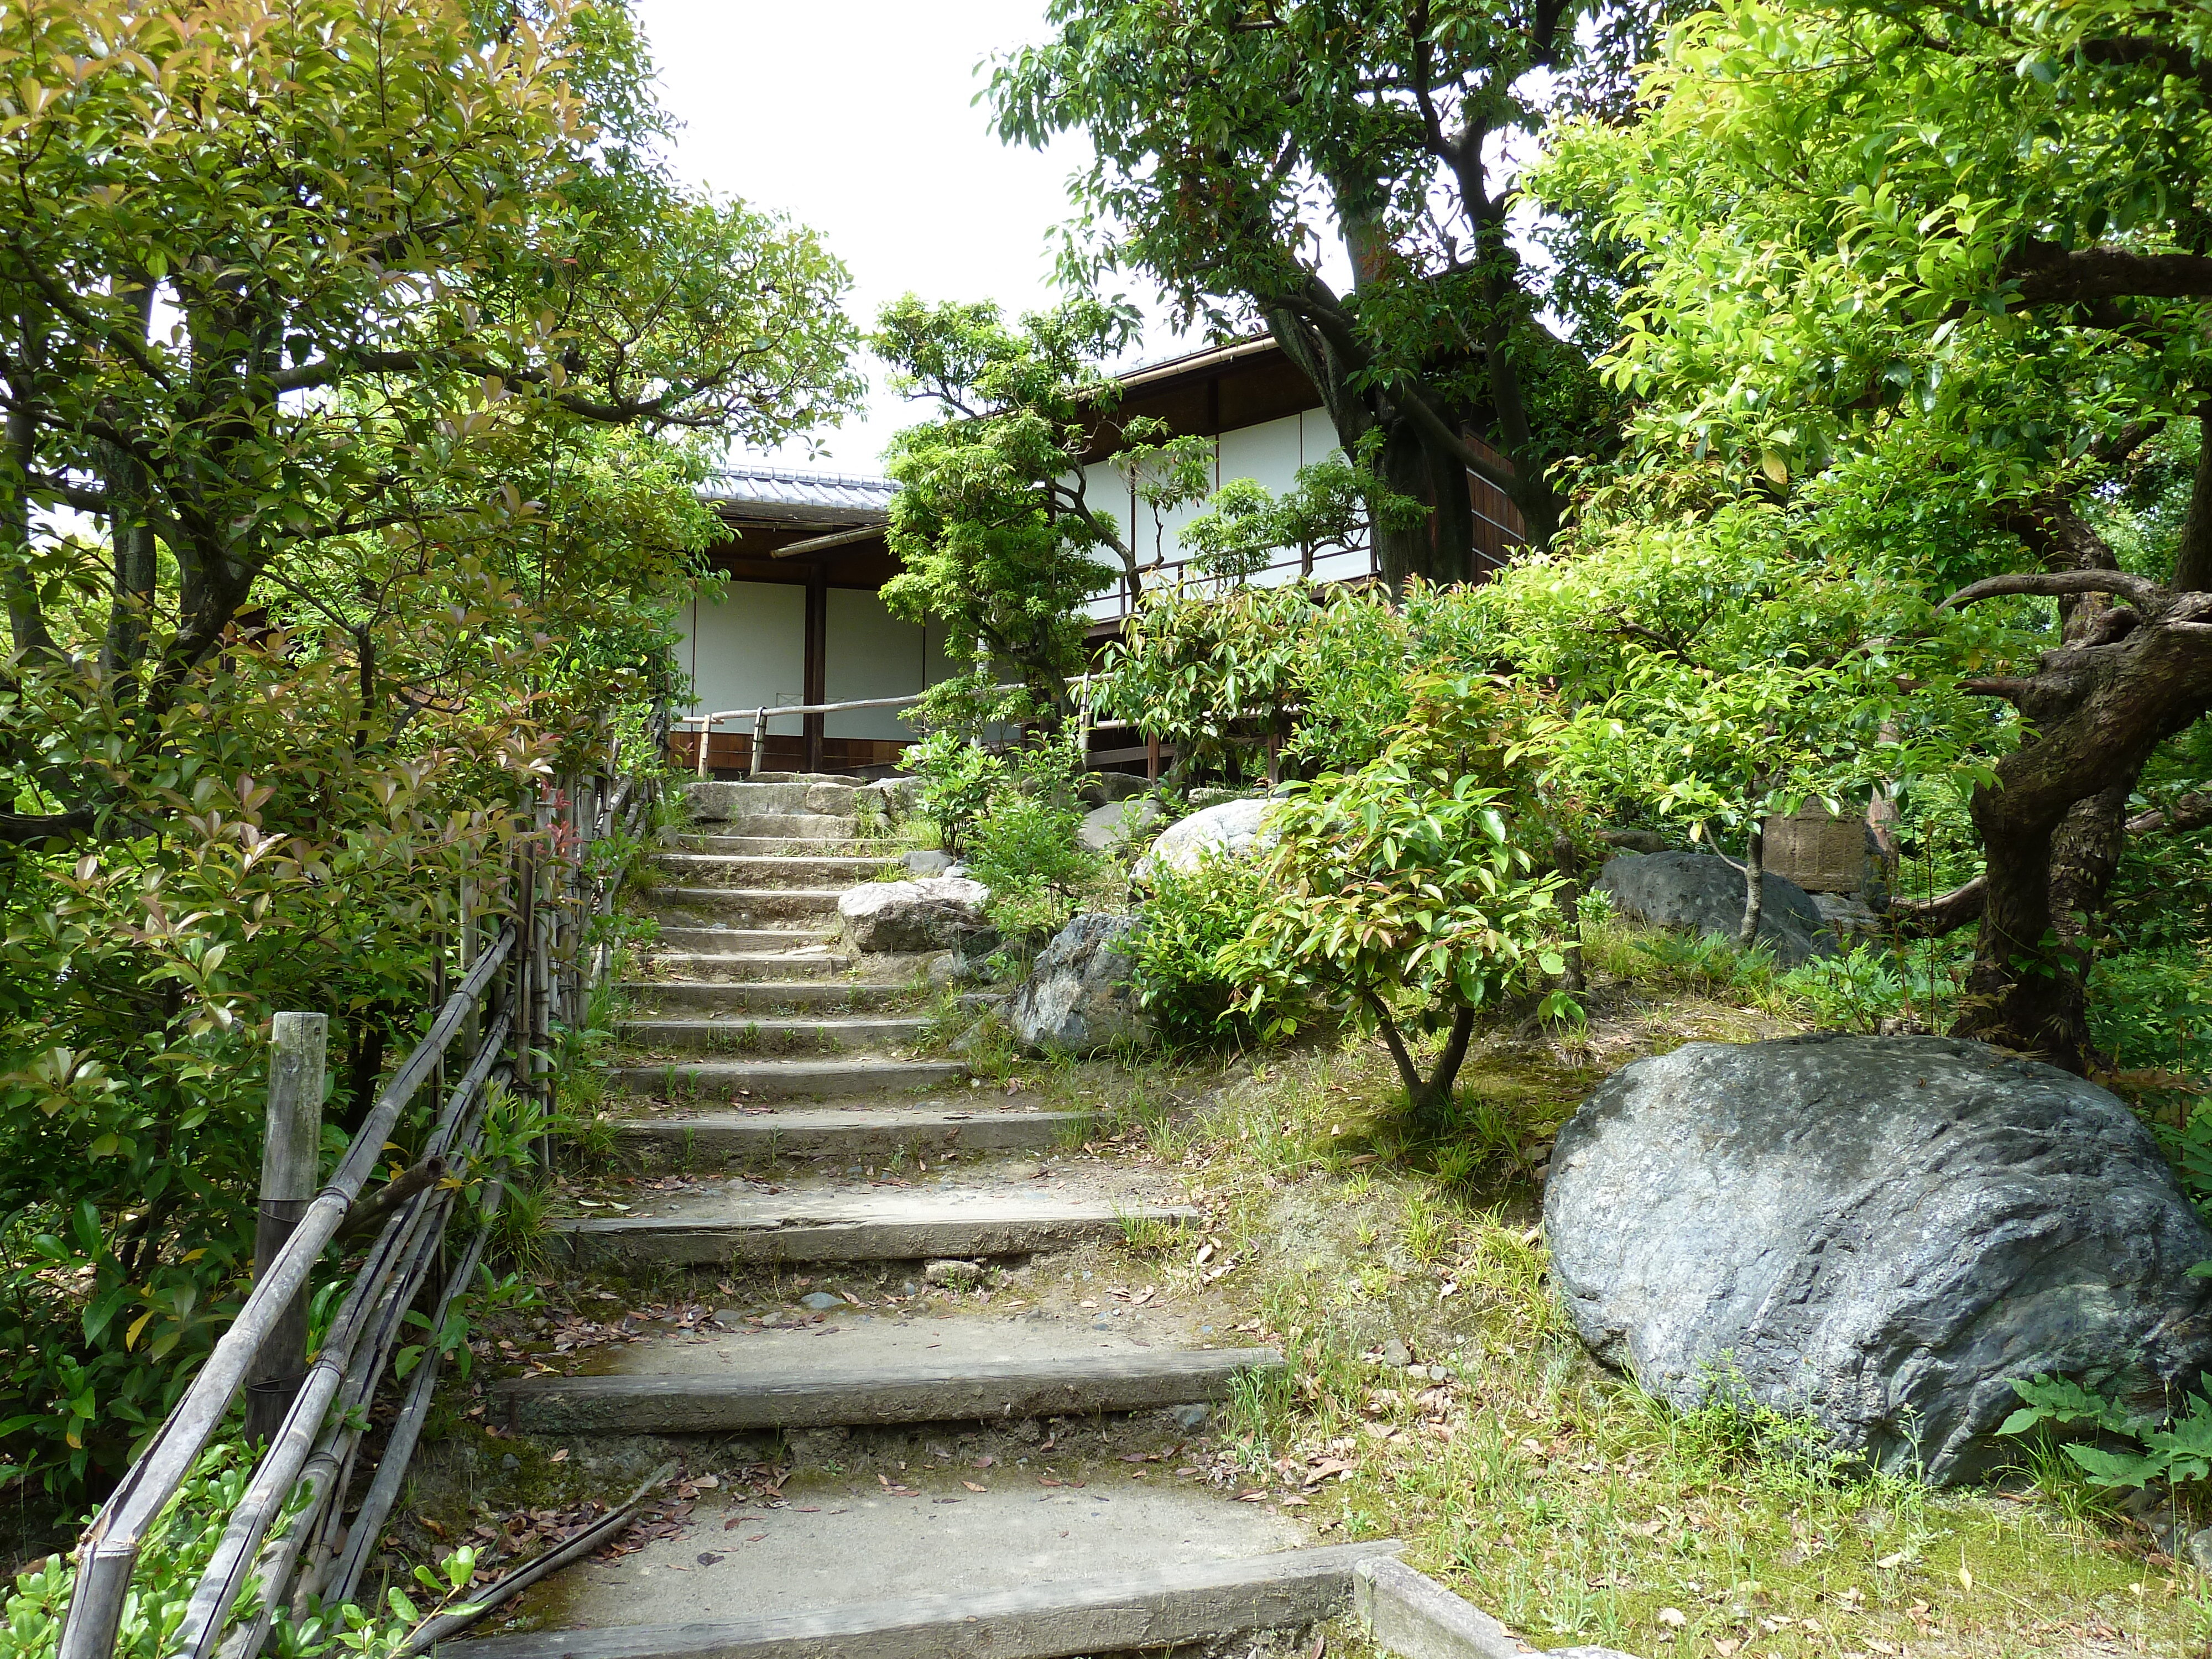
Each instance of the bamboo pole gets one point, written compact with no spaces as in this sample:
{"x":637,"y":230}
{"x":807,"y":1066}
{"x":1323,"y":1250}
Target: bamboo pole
{"x":110,"y":1546}
{"x":291,"y":1146}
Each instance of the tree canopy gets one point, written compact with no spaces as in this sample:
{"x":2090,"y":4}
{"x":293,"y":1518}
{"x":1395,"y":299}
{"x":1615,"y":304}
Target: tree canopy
{"x":1231,"y":138}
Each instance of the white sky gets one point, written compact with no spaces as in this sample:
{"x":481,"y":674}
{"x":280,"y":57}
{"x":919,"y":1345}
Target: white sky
{"x":855,"y":116}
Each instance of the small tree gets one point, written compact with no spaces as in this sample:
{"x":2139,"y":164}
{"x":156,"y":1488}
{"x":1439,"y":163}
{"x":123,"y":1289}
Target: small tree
{"x":1407,"y":892}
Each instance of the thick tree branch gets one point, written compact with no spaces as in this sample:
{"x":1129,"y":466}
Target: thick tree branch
{"x":2047,"y":274}
{"x":19,"y":829}
{"x":2055,"y":584}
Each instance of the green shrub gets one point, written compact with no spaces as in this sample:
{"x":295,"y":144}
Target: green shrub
{"x":1026,"y":851}
{"x":958,"y":779}
{"x":1189,"y":920}
{"x":178,"y":1548}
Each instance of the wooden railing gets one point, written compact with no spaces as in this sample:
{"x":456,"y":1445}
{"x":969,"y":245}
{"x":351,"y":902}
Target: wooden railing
{"x":531,"y":971}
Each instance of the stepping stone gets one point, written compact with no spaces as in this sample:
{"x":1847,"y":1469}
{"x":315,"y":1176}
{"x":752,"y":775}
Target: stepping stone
{"x":816,"y":1221}
{"x":784,"y":1079}
{"x":770,"y":1036}
{"x":721,"y":870}
{"x":798,"y":944}
{"x":965,"y":1369}
{"x":846,"y":1132}
{"x":773,"y":846}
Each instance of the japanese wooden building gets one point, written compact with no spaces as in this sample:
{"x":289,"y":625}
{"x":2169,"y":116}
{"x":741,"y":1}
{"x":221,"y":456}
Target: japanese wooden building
{"x":797,"y":618}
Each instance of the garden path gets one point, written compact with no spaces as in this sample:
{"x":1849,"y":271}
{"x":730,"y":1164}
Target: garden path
{"x":956,"y":1469}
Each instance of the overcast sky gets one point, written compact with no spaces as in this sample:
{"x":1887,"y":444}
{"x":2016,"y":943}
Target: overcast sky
{"x":856,"y":116}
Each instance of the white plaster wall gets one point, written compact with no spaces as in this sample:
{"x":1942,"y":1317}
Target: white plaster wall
{"x":746,"y":650}
{"x":871,"y":654}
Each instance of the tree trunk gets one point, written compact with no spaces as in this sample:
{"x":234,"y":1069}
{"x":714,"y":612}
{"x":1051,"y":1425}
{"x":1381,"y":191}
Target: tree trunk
{"x":1754,"y":881}
{"x":1441,"y":548}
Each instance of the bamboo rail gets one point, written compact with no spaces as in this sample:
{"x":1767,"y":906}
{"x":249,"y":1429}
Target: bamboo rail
{"x":312,"y":1453}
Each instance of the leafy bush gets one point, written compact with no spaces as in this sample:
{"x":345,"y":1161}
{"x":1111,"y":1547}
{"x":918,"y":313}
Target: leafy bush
{"x":178,"y":1548}
{"x":1406,"y":892}
{"x":2175,"y":1448}
{"x":1026,"y":851}
{"x":958,"y":779}
{"x":1189,"y":920}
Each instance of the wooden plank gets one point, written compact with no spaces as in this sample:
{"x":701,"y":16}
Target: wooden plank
{"x":818,"y":1395}
{"x":1165,"y":1609}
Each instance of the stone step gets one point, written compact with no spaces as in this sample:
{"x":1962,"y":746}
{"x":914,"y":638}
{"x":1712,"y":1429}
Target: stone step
{"x":740,"y":1035}
{"x":741,"y":907}
{"x":718,"y":803}
{"x":772,"y":845}
{"x":736,"y":871}
{"x":1116,"y":1567}
{"x":724,"y":1222}
{"x":796,"y":944}
{"x":681,"y":1081}
{"x":943,"y":1370}
{"x":743,"y":967}
{"x":758,"y":996}
{"x":843,"y":1132}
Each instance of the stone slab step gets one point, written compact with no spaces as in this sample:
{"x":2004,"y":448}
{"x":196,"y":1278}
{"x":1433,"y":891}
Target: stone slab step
{"x":862,"y":1573}
{"x":820,"y":830}
{"x":899,"y":1224}
{"x":756,"y":996}
{"x":740,"y":1035}
{"x":741,"y":907}
{"x":720,"y":802}
{"x":845,"y":1132}
{"x":746,"y":871}
{"x":784,"y":1079}
{"x":799,"y":943}
{"x":771,"y":845}
{"x":813,"y":1383}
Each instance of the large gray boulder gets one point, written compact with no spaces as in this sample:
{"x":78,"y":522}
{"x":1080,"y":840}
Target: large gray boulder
{"x":937,"y":913}
{"x":1881,"y":1231}
{"x":1077,"y":999}
{"x":1233,"y":829}
{"x":1701,"y":893}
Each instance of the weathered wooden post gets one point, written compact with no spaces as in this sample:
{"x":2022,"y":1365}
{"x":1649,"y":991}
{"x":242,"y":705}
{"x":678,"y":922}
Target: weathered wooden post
{"x":760,"y":743}
{"x":289,"y":1168}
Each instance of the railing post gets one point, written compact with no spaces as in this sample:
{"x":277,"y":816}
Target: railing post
{"x":290,"y":1153}
{"x":760,"y":743}
{"x":706,"y":737}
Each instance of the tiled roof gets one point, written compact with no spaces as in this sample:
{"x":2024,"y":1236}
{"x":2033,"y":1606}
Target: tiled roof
{"x":848,"y":494}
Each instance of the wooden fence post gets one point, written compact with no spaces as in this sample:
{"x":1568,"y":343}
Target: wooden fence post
{"x":290,"y":1164}
{"x":760,"y":743}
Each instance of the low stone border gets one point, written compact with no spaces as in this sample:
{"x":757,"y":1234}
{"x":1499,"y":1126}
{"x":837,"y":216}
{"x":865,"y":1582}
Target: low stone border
{"x":1406,"y":1613}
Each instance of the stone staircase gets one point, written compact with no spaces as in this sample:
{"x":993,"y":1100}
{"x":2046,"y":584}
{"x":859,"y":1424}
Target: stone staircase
{"x":965,"y":1471}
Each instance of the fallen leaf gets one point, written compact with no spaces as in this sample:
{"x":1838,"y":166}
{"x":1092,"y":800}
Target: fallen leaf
{"x":1673,"y":1618}
{"x":972,"y":1486}
{"x":561,"y":1456}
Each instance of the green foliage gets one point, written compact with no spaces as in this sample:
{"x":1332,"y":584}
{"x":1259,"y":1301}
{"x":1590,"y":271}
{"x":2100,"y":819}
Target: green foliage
{"x":1328,"y":508}
{"x":995,"y":533}
{"x":385,"y":505}
{"x":958,"y":777}
{"x":1209,"y":674}
{"x":1189,"y":921}
{"x":177,"y":1549}
{"x":1406,"y":892}
{"x":1025,"y":846}
{"x":2177,"y":1449}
